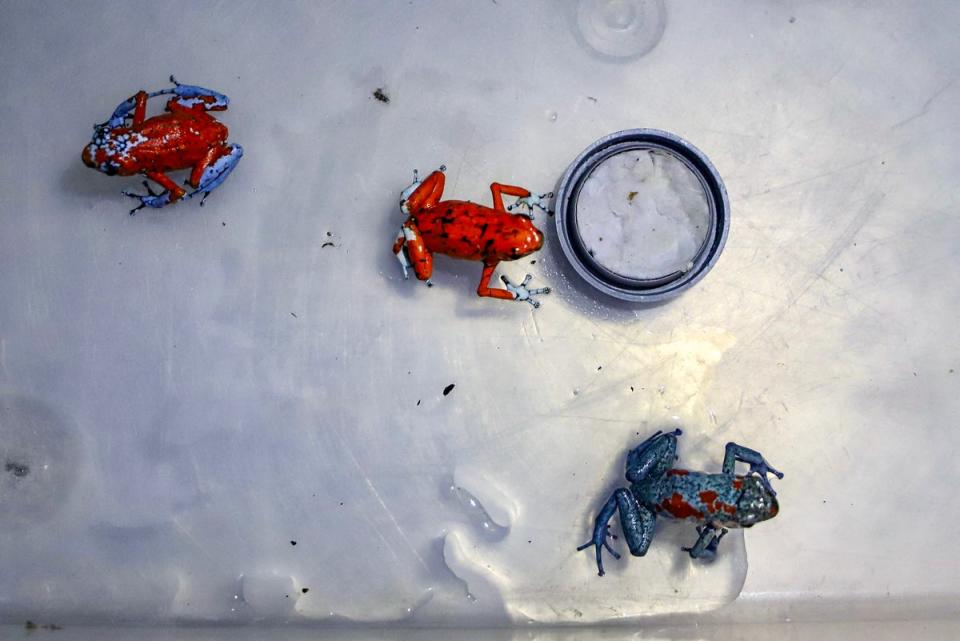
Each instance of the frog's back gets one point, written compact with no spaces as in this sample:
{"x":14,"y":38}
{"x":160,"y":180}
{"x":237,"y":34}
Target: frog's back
{"x":682,"y":494}
{"x":467,"y":230}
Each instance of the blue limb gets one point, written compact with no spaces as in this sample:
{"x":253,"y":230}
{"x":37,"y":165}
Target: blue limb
{"x":189,"y":95}
{"x":638,"y":522}
{"x":758,"y":465}
{"x":214,"y":175}
{"x":152,"y":199}
{"x":706,"y":545}
{"x":653,"y":457}
{"x":601,"y":532}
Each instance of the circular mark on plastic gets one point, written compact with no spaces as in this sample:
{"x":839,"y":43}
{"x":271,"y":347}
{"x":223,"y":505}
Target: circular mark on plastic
{"x":39,"y":454}
{"x":621,"y":28}
{"x":579,"y":246}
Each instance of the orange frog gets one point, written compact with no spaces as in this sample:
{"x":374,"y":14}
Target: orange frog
{"x":470,"y":231}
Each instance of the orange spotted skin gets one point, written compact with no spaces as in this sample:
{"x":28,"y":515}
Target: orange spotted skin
{"x":465,"y":230}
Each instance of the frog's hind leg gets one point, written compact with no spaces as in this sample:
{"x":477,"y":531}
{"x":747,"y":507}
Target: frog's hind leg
{"x":213,"y":170}
{"x":706,"y":545}
{"x":653,"y":457}
{"x":192,"y":97}
{"x":754,"y":459}
{"x":412,"y":251}
{"x":638,"y":524}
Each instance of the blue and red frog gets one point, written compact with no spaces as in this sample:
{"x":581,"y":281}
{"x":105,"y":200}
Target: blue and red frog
{"x":469,"y":231}
{"x":185,"y":136}
{"x":717,"y":501}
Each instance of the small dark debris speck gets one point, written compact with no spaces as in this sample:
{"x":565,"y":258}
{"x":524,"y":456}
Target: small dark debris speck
{"x":418,"y":401}
{"x":599,"y":367}
{"x":327,"y":244}
{"x":592,"y":99}
{"x":793,"y":19}
{"x":449,"y":388}
{"x":305,"y":590}
{"x":631,"y":196}
{"x":294,"y":315}
{"x":224,"y":224}
{"x":381,"y":95}
{"x":631,"y":388}
{"x":341,"y":503}
{"x":17,"y":469}
{"x":533,"y":262}
{"x":529,"y":541}
{"x":293,"y":542}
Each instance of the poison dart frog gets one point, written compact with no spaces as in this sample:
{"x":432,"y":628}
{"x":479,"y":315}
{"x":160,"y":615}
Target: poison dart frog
{"x":717,"y":501}
{"x":470,"y":231}
{"x":185,"y":136}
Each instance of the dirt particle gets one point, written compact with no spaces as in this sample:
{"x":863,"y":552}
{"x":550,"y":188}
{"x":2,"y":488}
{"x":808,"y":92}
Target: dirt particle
{"x":418,"y":401}
{"x":304,"y":590}
{"x":223,"y":224}
{"x":793,"y":19}
{"x":292,"y":542}
{"x":17,"y":469}
{"x":327,"y":244}
{"x":631,"y":388}
{"x":294,"y":315}
{"x":631,"y":196}
{"x":599,"y":367}
{"x":381,"y":95}
{"x":449,"y":388}
{"x":533,"y":262}
{"x":592,"y":99}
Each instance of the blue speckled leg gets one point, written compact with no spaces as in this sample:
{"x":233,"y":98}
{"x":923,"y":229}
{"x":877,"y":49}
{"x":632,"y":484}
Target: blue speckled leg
{"x":653,"y":457}
{"x":600,"y":532}
{"x":638,"y":522}
{"x":214,"y":175}
{"x":752,"y":458}
{"x":189,"y":95}
{"x":706,"y":545}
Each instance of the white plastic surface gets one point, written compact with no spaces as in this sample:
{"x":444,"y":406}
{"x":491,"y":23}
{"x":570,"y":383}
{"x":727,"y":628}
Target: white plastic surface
{"x":193,"y":389}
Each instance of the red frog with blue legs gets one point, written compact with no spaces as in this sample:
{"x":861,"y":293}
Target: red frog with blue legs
{"x":185,"y":136}
{"x":717,"y":501}
{"x":462,"y":229}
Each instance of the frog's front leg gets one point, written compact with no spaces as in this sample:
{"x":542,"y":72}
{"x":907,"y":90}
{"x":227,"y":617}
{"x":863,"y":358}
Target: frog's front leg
{"x":136,"y":103}
{"x":173,"y":192}
{"x":706,"y":545}
{"x":213,"y":170}
{"x":754,"y":459}
{"x":638,"y":524}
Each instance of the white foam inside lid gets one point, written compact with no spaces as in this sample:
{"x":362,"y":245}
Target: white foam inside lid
{"x":643,"y":214}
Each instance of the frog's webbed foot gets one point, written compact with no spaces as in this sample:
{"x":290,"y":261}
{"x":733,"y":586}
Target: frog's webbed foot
{"x":521,"y":292}
{"x":533,"y":200}
{"x":150,"y":199}
{"x":600,"y":541}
